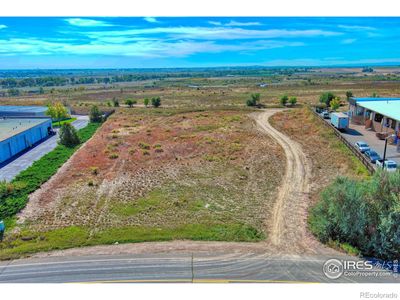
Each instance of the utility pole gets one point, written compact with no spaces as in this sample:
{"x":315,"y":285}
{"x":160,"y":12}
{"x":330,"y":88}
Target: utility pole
{"x":384,"y":153}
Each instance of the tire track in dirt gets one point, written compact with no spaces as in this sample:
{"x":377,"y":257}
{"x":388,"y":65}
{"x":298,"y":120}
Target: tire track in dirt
{"x":288,"y":226}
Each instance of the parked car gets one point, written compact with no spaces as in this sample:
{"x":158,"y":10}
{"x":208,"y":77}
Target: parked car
{"x":362,"y":146}
{"x":325,"y":114}
{"x":372,"y":155}
{"x":390,"y":165}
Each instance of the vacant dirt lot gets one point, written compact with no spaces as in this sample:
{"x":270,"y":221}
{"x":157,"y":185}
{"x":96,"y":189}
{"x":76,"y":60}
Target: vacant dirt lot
{"x":164,"y":169}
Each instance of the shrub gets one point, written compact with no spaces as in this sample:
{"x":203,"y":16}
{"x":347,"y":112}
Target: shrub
{"x":130,"y":102}
{"x":156,"y":101}
{"x":94,"y":170}
{"x":68,"y":135}
{"x":326,"y":98}
{"x":349,"y":94}
{"x":115,"y":102}
{"x":283,"y":100}
{"x":95,"y":114}
{"x":146,"y":101}
{"x":113,"y":156}
{"x":292,"y":100}
{"x":253,"y":101}
{"x":143,"y":145}
{"x":364,"y":214}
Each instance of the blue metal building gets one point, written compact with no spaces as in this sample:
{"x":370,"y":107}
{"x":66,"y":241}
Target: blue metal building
{"x":22,"y":111}
{"x":18,"y":134}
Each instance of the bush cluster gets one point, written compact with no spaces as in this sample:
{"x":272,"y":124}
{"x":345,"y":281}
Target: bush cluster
{"x":364,"y":214}
{"x":69,"y":135}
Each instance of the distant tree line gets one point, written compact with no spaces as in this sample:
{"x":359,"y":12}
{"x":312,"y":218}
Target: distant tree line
{"x":40,"y":80}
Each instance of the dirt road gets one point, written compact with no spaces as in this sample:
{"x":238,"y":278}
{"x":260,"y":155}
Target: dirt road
{"x":288,"y":226}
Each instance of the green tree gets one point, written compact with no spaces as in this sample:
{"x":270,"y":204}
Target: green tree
{"x":292,"y":101}
{"x":130,"y":102}
{"x":68,"y":135}
{"x":115,"y":102}
{"x":374,"y":95}
{"x":284,"y":99}
{"x":41,"y":90}
{"x":326,"y":98}
{"x":254,"y":100}
{"x":156,"y":101}
{"x":57,"y":112}
{"x":95,"y":115}
{"x":349,"y":94}
{"x":146,"y":101}
{"x":335,"y":103}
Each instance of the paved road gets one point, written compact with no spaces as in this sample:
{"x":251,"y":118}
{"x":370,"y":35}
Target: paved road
{"x":181,"y":267}
{"x":9,"y":171}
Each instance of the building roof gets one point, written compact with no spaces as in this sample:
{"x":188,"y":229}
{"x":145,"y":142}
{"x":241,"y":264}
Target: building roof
{"x":11,"y":127}
{"x":375,"y":99}
{"x":340,"y":114}
{"x":22,"y":109}
{"x":389,"y":108}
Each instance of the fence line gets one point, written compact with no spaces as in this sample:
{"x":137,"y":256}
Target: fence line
{"x":352,"y":148}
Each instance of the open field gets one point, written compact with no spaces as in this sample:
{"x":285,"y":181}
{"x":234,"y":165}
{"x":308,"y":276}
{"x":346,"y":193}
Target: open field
{"x":222,"y":91}
{"x":157,"y":175}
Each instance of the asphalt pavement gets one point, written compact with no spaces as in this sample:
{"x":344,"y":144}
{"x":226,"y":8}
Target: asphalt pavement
{"x":22,"y":162}
{"x":356,"y":133}
{"x":180,"y":267}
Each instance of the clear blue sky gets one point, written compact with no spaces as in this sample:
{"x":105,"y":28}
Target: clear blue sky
{"x":71,"y":42}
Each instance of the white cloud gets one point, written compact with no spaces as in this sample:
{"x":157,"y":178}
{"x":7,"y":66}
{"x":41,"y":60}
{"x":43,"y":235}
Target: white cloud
{"x":139,"y":48}
{"x":213,"y":33}
{"x":151,"y":20}
{"x":215,"y":23}
{"x":348,"y":41}
{"x":234,"y":23}
{"x":3,"y":26}
{"x":87,"y":22}
{"x":356,"y":27}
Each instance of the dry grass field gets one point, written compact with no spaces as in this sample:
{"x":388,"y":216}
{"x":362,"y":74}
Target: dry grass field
{"x":329,"y":157}
{"x":158,"y":174}
{"x":214,"y":92}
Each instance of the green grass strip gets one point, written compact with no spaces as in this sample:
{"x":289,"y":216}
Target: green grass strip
{"x":15,"y":196}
